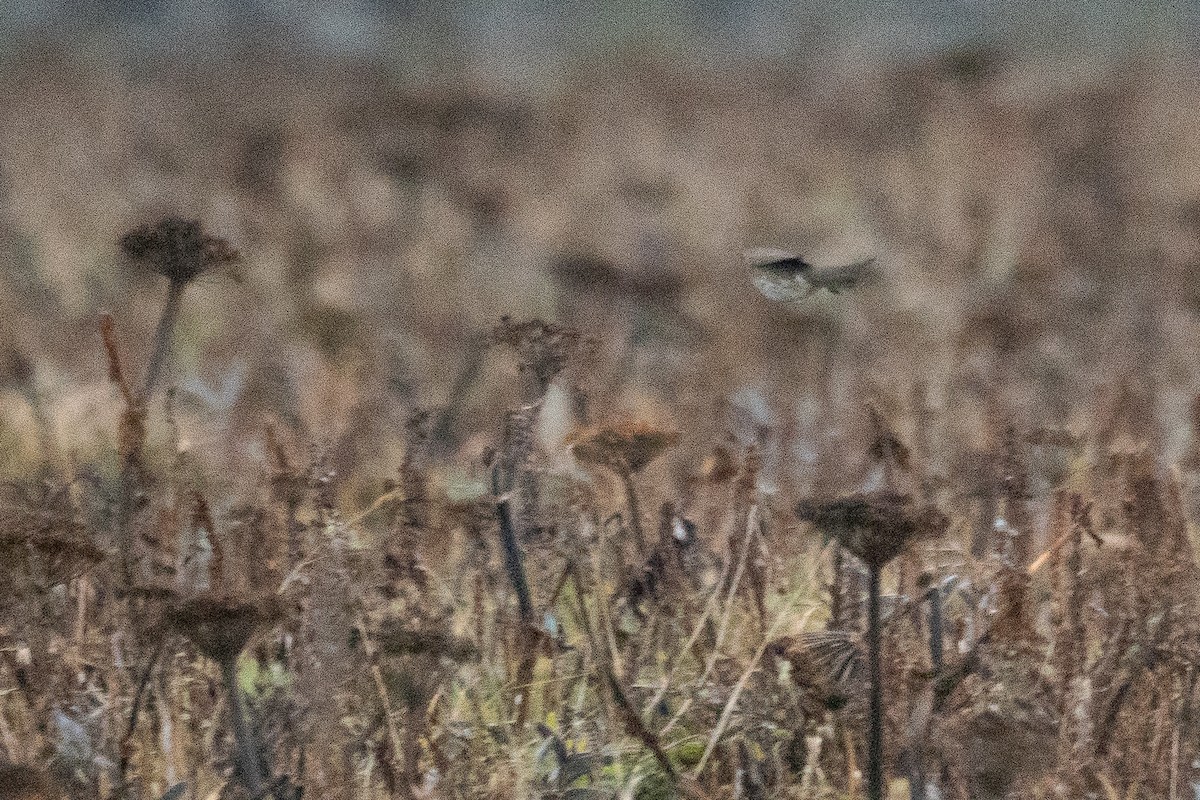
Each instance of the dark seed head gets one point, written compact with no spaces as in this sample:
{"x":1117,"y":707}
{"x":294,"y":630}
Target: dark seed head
{"x":218,"y":626}
{"x":624,"y":447}
{"x":24,"y":782}
{"x":873,"y":526}
{"x":178,"y":249}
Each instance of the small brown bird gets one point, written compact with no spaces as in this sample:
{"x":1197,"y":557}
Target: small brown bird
{"x":787,"y":277}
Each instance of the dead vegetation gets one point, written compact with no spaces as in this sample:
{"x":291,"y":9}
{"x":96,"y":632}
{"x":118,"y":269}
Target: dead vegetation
{"x":372,"y":525}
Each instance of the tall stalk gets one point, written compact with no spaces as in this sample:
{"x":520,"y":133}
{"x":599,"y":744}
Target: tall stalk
{"x":874,"y":527}
{"x":243,"y":734}
{"x":180,"y":251}
{"x":164,"y":335}
{"x":875,"y":711}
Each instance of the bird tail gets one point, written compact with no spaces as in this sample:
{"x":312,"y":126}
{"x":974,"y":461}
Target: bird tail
{"x":840,"y":278}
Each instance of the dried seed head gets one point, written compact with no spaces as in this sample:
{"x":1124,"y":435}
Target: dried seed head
{"x":25,"y":782}
{"x":624,"y":447}
{"x":397,"y":638}
{"x":543,"y":348}
{"x":42,"y":536}
{"x":218,"y":626}
{"x":178,"y":249}
{"x":874,"y":526}
{"x":1002,"y":748}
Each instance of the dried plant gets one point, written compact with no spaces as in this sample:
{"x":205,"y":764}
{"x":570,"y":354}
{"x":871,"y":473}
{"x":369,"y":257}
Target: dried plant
{"x":26,"y":782}
{"x":875,"y":528}
{"x":626,"y":449}
{"x":181,"y":251}
{"x":368,"y":542}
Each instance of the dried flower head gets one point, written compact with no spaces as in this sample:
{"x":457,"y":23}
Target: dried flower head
{"x":42,"y":536}
{"x":543,"y":348}
{"x":626,"y":447}
{"x":25,"y":782}
{"x":581,"y":274}
{"x":178,"y":249}
{"x":873,"y":526}
{"x":1004,"y":742}
{"x":397,"y":638}
{"x":218,"y":626}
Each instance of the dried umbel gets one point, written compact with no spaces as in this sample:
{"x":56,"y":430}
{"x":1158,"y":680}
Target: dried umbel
{"x":42,"y":537}
{"x":581,"y":274}
{"x":543,"y":348}
{"x":25,"y":782}
{"x":178,"y":249}
{"x":218,"y":626}
{"x":396,"y":638}
{"x":626,"y":447}
{"x":1004,"y":744}
{"x":874,"y":526}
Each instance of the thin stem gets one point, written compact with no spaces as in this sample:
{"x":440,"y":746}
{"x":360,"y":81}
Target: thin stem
{"x":936,"y":647}
{"x":875,"y":733}
{"x":635,"y":512}
{"x":917,"y":777}
{"x":514,"y":561}
{"x":134,"y":412}
{"x":247,"y":750}
{"x":136,"y":708}
{"x":163,"y":337}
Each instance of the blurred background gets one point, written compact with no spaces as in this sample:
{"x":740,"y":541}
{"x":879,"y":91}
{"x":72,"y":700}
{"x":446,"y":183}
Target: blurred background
{"x":534,"y":41}
{"x":398,"y":177}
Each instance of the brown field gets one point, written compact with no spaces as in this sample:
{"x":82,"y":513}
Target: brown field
{"x":484,"y":471}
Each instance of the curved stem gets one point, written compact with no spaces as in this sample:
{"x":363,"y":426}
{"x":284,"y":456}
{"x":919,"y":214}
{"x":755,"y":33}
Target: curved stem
{"x":514,"y":561}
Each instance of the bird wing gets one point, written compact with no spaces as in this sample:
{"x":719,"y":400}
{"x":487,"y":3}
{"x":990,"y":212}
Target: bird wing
{"x":837,"y":279}
{"x":769,"y":258}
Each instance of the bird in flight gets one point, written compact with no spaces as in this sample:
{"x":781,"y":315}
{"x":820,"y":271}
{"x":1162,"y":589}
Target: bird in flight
{"x":787,"y":277}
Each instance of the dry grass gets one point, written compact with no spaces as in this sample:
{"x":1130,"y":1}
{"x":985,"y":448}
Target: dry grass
{"x":496,"y":477}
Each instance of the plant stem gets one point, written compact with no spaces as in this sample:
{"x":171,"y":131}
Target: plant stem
{"x":635,"y":511}
{"x":243,"y":736}
{"x":917,"y":778}
{"x":936,"y":647}
{"x":134,"y":412}
{"x":163,"y":337}
{"x":875,"y":732}
{"x":513,"y":561}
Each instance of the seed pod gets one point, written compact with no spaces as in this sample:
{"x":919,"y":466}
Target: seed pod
{"x":178,"y":249}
